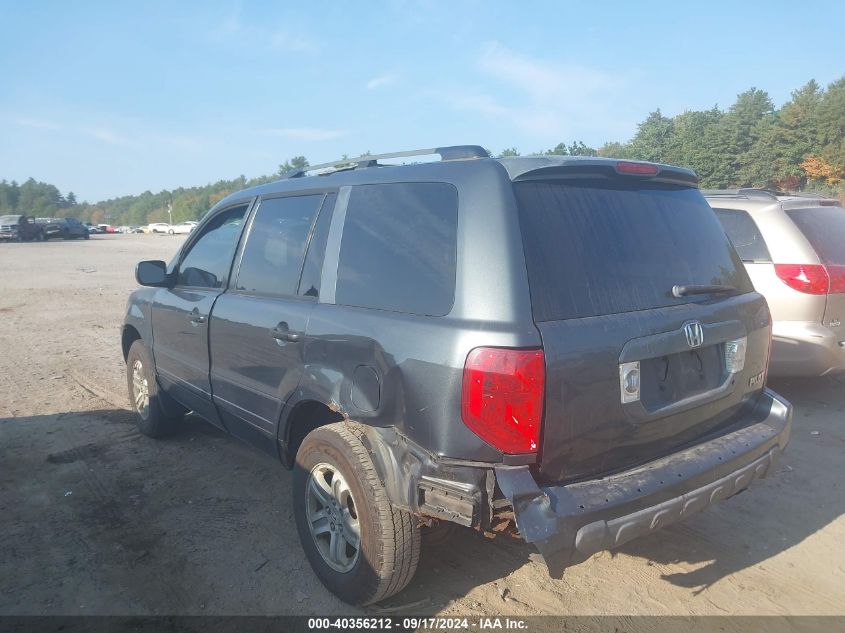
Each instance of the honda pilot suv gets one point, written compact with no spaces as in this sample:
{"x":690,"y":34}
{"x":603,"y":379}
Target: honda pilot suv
{"x":564,"y":347}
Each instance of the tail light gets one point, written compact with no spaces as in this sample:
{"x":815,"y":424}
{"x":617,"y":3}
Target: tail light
{"x":811,"y":279}
{"x":502,"y":397}
{"x":837,"y":279}
{"x":636,"y":169}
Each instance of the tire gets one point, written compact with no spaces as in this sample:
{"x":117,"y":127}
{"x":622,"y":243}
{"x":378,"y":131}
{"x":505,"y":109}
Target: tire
{"x":171,"y":232}
{"x":157,"y":415}
{"x":388,"y":539}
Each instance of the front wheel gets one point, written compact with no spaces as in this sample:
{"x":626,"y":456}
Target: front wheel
{"x":171,"y":232}
{"x":156,"y":415}
{"x":361,"y":548}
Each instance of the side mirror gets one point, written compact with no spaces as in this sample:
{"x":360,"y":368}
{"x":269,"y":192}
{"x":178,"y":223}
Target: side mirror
{"x":152,"y":273}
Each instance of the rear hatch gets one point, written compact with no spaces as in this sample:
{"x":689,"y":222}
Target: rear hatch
{"x":606,"y":256}
{"x":824,"y":228}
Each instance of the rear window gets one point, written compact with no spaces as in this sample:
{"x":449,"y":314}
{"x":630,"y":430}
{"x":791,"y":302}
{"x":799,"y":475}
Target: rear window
{"x":604,"y":247}
{"x":744,"y":234}
{"x":398,"y":249}
{"x":824,"y":227}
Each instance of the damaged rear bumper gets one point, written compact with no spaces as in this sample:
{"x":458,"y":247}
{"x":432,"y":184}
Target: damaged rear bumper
{"x":570,"y":523}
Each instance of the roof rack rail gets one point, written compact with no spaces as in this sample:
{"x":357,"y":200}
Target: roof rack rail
{"x":452,"y":152}
{"x":744,"y":192}
{"x":806,"y":194}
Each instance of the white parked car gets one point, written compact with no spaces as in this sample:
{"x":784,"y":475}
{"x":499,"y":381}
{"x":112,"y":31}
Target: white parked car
{"x":182,"y":227}
{"x":159,"y":227}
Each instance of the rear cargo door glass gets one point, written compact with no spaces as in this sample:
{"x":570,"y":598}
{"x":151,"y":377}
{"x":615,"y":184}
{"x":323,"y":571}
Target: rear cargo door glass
{"x":824,"y":227}
{"x":743,"y":232}
{"x":596,"y":247}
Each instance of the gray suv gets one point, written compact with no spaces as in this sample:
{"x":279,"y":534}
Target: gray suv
{"x":565,"y":347}
{"x":793,"y":247}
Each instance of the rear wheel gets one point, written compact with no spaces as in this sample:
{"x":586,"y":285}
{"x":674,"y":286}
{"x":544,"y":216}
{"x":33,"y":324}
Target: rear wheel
{"x":157,"y":415}
{"x":361,"y":548}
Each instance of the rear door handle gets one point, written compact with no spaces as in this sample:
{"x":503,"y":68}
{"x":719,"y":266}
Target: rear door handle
{"x":282,"y":333}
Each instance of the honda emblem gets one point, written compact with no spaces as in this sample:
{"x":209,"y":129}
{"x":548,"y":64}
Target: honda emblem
{"x":695,"y":334}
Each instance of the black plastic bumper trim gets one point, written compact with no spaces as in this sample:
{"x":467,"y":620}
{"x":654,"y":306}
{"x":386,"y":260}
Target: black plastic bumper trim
{"x":570,"y":523}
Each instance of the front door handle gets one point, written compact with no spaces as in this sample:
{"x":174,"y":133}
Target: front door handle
{"x":282,"y":333}
{"x":196,"y":318}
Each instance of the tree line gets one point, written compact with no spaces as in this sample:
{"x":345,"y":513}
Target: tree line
{"x":798,"y":147}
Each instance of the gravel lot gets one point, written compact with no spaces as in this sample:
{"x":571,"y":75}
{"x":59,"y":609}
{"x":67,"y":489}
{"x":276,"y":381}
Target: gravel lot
{"x":97,"y":519}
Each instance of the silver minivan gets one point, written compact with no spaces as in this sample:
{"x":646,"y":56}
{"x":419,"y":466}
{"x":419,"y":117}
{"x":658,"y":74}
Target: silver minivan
{"x":793,"y":247}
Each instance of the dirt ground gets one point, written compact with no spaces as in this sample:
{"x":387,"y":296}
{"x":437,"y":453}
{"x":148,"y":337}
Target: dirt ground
{"x":96,"y":519}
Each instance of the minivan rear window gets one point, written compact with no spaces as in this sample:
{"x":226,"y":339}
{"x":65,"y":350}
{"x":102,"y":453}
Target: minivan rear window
{"x":595,"y":247}
{"x":824,"y":227}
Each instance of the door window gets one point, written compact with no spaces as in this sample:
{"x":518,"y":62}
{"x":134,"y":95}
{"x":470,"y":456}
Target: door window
{"x":207,"y":263}
{"x":272,"y":259}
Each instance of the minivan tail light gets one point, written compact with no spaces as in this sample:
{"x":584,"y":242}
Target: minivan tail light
{"x":836,"y":274}
{"x":636,"y":169}
{"x":811,"y":279}
{"x":502,"y":397}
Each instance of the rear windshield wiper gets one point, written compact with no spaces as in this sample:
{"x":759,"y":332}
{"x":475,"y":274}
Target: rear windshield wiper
{"x":683,"y":291}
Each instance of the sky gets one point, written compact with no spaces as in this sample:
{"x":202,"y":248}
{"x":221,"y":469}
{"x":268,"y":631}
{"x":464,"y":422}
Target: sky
{"x":110,"y":98}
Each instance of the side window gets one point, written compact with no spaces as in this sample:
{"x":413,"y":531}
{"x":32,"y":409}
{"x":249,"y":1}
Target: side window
{"x":207,"y":263}
{"x":398,"y":250}
{"x":744,"y":234}
{"x":275,"y":249}
{"x":309,"y":285}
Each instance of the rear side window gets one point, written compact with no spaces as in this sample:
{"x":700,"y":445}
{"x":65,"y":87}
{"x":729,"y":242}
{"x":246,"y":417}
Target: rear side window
{"x":824,"y":227}
{"x":398,"y":249}
{"x":744,"y":234}
{"x":595,"y":247}
{"x":275,"y":249}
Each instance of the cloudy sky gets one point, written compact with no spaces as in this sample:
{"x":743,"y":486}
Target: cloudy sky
{"x":106,"y":100}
